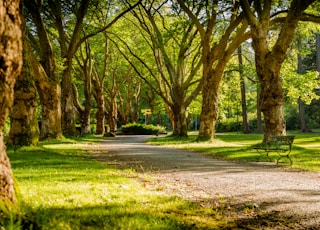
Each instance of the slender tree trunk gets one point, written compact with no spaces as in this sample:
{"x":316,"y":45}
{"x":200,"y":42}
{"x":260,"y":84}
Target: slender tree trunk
{"x":10,"y":68}
{"x":243,"y":94}
{"x":100,"y":114}
{"x":84,"y":112}
{"x":135,"y":101}
{"x":112,"y":115}
{"x":24,"y":128}
{"x":85,"y":116}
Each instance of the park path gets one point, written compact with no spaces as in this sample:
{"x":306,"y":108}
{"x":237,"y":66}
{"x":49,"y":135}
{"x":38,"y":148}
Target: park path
{"x":272,"y":189}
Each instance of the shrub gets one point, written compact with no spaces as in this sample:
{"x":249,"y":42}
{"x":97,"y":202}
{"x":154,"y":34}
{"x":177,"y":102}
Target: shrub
{"x":141,"y":129}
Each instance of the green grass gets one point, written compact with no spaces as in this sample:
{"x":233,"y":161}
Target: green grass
{"x":305,"y":153}
{"x":62,"y":187}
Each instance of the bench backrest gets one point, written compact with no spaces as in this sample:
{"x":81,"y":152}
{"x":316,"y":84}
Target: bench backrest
{"x":282,"y":140}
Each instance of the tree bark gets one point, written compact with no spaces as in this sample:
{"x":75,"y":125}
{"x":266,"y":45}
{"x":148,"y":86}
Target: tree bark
{"x":24,"y":128}
{"x":67,"y":105}
{"x":47,"y":82}
{"x":49,"y":92}
{"x":209,"y":111}
{"x":10,"y":68}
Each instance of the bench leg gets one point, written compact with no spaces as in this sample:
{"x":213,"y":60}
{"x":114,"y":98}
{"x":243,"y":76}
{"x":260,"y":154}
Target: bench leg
{"x":284,"y":156}
{"x":263,"y":154}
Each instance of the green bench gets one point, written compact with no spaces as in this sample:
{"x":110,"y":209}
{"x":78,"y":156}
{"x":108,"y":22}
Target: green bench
{"x":282,"y":145}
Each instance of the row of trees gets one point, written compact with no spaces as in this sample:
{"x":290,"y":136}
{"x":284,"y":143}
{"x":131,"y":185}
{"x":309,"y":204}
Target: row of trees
{"x":74,"y":51}
{"x":177,"y":48}
{"x":163,"y":51}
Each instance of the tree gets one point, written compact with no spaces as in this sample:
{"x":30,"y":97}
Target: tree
{"x":24,"y":128}
{"x":10,"y":68}
{"x":262,"y":16}
{"x":222,"y":29}
{"x":174,"y":48}
{"x":68,"y":46}
{"x":45,"y":72}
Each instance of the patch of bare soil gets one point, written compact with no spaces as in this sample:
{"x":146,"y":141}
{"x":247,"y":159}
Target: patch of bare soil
{"x":256,"y":195}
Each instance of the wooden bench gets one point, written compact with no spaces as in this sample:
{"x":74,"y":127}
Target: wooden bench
{"x":282,"y":145}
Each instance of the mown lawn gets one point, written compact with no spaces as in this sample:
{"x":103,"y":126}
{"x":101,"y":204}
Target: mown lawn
{"x":62,"y":187}
{"x":305,"y":153}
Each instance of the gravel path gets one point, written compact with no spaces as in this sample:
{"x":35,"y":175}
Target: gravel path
{"x":276,"y":192}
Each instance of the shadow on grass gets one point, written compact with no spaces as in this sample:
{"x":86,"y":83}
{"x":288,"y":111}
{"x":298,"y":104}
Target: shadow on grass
{"x":65,"y":189}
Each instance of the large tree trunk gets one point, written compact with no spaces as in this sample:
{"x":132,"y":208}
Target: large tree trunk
{"x":180,"y":127}
{"x":67,"y":105}
{"x":24,"y":128}
{"x":10,"y":68}
{"x":209,"y":112}
{"x":47,"y":82}
{"x":49,"y":92}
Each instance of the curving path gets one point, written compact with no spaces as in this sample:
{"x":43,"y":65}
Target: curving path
{"x":293,"y":193}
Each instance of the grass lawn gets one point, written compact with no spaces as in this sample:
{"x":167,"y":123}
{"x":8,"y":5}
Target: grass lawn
{"x":305,"y":153}
{"x":62,"y":187}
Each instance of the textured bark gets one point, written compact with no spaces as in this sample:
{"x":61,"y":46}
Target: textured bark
{"x":10,"y":68}
{"x":67,"y":105}
{"x":49,"y":92}
{"x":209,"y":112}
{"x":24,"y":128}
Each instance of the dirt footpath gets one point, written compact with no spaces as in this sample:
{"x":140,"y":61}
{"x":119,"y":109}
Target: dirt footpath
{"x":255,"y":192}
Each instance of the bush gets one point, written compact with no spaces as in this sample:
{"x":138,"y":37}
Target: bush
{"x":141,"y":129}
